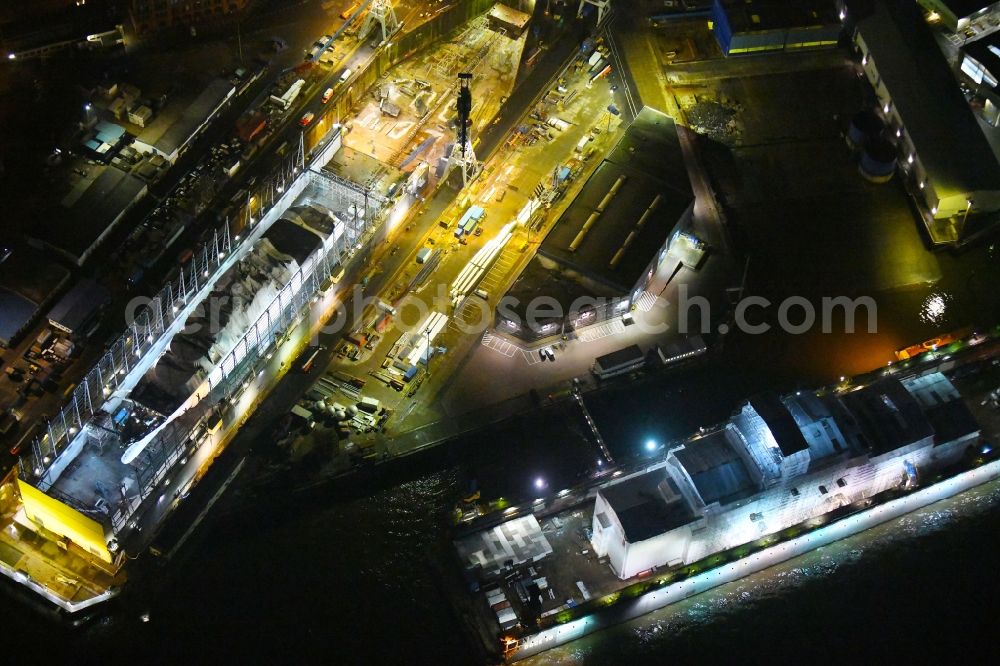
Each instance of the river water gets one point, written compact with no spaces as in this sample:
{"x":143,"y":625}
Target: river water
{"x":360,"y":578}
{"x":359,"y":575}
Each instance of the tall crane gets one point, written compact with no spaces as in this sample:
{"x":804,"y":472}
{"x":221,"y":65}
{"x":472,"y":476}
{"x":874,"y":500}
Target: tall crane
{"x":462,"y":154}
{"x":380,"y":12}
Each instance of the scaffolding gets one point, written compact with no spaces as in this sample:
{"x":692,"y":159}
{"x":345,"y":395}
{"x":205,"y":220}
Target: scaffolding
{"x":83,"y":423}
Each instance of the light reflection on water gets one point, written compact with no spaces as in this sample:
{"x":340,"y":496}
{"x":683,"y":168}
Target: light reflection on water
{"x":934,"y":309}
{"x":725,"y":612}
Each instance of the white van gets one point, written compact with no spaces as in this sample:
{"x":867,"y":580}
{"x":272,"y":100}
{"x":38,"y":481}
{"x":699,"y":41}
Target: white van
{"x":481,"y":293}
{"x":346,"y":74}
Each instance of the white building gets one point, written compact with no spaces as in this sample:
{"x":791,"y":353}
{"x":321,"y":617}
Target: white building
{"x":950,"y":165}
{"x":777,"y":463}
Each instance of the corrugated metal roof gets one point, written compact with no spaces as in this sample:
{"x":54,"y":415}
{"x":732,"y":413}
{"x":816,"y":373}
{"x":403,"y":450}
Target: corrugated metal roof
{"x":716,"y":469}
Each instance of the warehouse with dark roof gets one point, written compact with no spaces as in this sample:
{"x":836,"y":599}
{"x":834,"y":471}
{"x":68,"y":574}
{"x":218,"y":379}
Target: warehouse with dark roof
{"x":604,"y":248}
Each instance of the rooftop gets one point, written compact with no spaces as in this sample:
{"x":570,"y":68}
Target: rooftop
{"x":952,"y":147}
{"x":718,"y":472}
{"x":780,"y":422}
{"x":512,"y":21}
{"x":647,"y":505}
{"x":27,"y":280}
{"x":888,"y":416}
{"x":89,"y":211}
{"x":963,"y":8}
{"x":952,"y":420}
{"x":517,"y":541}
{"x":179,"y":131}
{"x":545,"y":276}
{"x":825,"y":425}
{"x":641,"y":189}
{"x":620,"y":356}
{"x":76,"y":307}
{"x":16,"y":312}
{"x":755,"y":15}
{"x":948,"y":414}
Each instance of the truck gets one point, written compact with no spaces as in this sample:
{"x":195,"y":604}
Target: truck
{"x":423,"y":254}
{"x":318,"y":48}
{"x":286,"y":99}
{"x":250,"y":125}
{"x":619,"y":362}
{"x":472,"y":217}
{"x":41,"y":343}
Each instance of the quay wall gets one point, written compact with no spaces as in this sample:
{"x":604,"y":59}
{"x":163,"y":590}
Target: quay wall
{"x":848,"y":526}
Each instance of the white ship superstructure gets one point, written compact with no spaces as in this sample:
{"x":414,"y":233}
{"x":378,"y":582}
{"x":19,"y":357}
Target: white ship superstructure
{"x":777,"y":462}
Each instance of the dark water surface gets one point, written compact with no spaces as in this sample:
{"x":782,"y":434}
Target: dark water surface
{"x":362,"y":577}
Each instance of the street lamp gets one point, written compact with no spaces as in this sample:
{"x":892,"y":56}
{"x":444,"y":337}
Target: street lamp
{"x":650,"y":445}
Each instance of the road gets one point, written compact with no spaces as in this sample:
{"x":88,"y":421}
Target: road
{"x":253,"y":420}
{"x":260,"y":27}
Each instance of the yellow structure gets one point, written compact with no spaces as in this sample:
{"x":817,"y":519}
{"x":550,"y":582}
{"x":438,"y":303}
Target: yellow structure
{"x":61,"y":519}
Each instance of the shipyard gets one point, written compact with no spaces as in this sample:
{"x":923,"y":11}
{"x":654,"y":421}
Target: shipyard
{"x":539,"y":321}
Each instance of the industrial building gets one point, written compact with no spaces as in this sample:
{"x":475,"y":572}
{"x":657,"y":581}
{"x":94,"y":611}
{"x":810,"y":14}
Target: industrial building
{"x":512,"y":543}
{"x":605,"y":247}
{"x":100,"y":197}
{"x":757,"y":26}
{"x":183,"y":369}
{"x":950,"y":166}
{"x":980,"y":68}
{"x":28,"y":282}
{"x":79,"y":309}
{"x":777,"y":462}
{"x":959,"y":15}
{"x":104,"y":141}
{"x":510,"y":21}
{"x":88,"y":213}
{"x":170,"y":135}
{"x":152,"y":15}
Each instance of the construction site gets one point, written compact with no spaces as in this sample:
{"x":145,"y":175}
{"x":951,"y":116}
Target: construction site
{"x":159,"y":406}
{"x":146,"y":422}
